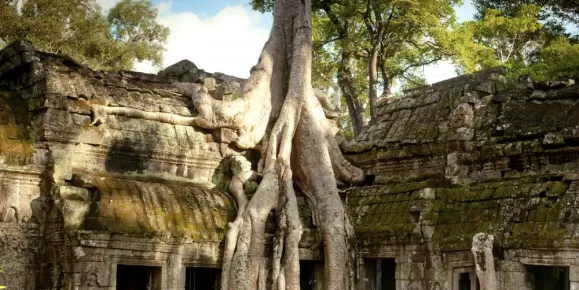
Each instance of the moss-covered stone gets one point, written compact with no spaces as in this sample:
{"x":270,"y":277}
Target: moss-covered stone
{"x":16,"y":131}
{"x":128,"y":206}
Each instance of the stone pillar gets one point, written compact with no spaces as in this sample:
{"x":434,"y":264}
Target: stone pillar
{"x":574,"y":277}
{"x":513,"y":275}
{"x":175,"y":274}
{"x":482,"y":249}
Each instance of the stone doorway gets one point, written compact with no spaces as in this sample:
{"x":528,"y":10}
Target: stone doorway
{"x":464,"y":278}
{"x":380,"y":274}
{"x":202,"y":278}
{"x":548,"y":278}
{"x":130,"y":277}
{"x":310,"y":275}
{"x":468,"y":281}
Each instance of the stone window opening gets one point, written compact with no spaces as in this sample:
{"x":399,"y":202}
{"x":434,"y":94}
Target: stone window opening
{"x":131,"y":277}
{"x":380,"y":274}
{"x":198,"y":278}
{"x":547,"y":277}
{"x":464,"y":278}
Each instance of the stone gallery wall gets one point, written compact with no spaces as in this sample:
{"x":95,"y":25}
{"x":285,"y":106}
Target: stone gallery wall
{"x":76,"y":199}
{"x":478,"y":153}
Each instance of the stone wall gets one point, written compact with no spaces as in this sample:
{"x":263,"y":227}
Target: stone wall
{"x":479,"y":153}
{"x":76,"y":199}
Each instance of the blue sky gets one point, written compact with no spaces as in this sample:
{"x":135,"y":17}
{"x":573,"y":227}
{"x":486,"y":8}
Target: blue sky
{"x":204,"y":8}
{"x":227,"y":35}
{"x":209,"y":8}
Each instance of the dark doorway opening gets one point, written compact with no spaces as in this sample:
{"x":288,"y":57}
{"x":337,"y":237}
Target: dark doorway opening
{"x":380,"y":274}
{"x":202,"y":278}
{"x":131,"y":277}
{"x":465,"y":281}
{"x":311,"y":275}
{"x":549,"y":278}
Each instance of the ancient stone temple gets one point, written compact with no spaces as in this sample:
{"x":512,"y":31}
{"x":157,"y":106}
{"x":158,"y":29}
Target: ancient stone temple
{"x":133,"y":203}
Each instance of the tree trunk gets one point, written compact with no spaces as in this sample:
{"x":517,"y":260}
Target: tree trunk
{"x":373,"y":80}
{"x":482,"y":250}
{"x":345,"y":77}
{"x":346,"y":83}
{"x":297,"y":146}
{"x":375,"y":28}
{"x":387,"y":83}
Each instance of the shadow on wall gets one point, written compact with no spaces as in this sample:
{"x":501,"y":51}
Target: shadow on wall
{"x":129,"y":156}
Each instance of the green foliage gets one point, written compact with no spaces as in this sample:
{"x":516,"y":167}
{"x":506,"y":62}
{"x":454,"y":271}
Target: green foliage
{"x":558,"y":59}
{"x":404,"y":36}
{"x":136,"y":32}
{"x":262,"y":5}
{"x":78,"y":28}
{"x":470,"y":55}
{"x":410,"y":34}
{"x":518,"y":39}
{"x":500,"y":40}
{"x":554,"y":12}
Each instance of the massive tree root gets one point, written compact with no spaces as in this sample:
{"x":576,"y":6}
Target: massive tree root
{"x":482,"y":250}
{"x":297,"y":146}
{"x":280,"y":112}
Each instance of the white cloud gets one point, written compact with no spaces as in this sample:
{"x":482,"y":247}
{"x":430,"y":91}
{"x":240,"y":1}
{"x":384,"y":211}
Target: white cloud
{"x":107,"y":4}
{"x":228,"y":42}
{"x":165,"y":7}
{"x":439,"y":71}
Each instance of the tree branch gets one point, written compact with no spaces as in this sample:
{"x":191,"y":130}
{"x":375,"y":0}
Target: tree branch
{"x":320,"y":44}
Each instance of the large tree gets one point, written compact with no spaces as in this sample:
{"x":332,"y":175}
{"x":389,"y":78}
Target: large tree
{"x":280,"y":113}
{"x":79,"y":29}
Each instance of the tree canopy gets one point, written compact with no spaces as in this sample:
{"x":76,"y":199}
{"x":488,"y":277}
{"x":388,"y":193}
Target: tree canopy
{"x":79,"y":29}
{"x":518,"y":38}
{"x":502,"y":40}
{"x":554,"y":11}
{"x":370,"y":47}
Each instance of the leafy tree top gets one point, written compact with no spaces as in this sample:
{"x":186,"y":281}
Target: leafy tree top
{"x":78,"y":28}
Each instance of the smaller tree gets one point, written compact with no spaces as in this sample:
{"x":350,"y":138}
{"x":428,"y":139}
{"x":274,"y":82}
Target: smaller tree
{"x":512,"y":38}
{"x":554,"y":13}
{"x":520,"y":42}
{"x":557,"y":59}
{"x":497,"y":39}
{"x":79,"y":29}
{"x":136,"y":33}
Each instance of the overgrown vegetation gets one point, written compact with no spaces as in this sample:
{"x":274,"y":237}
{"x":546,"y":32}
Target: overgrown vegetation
{"x":525,"y":40}
{"x":80,"y":29}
